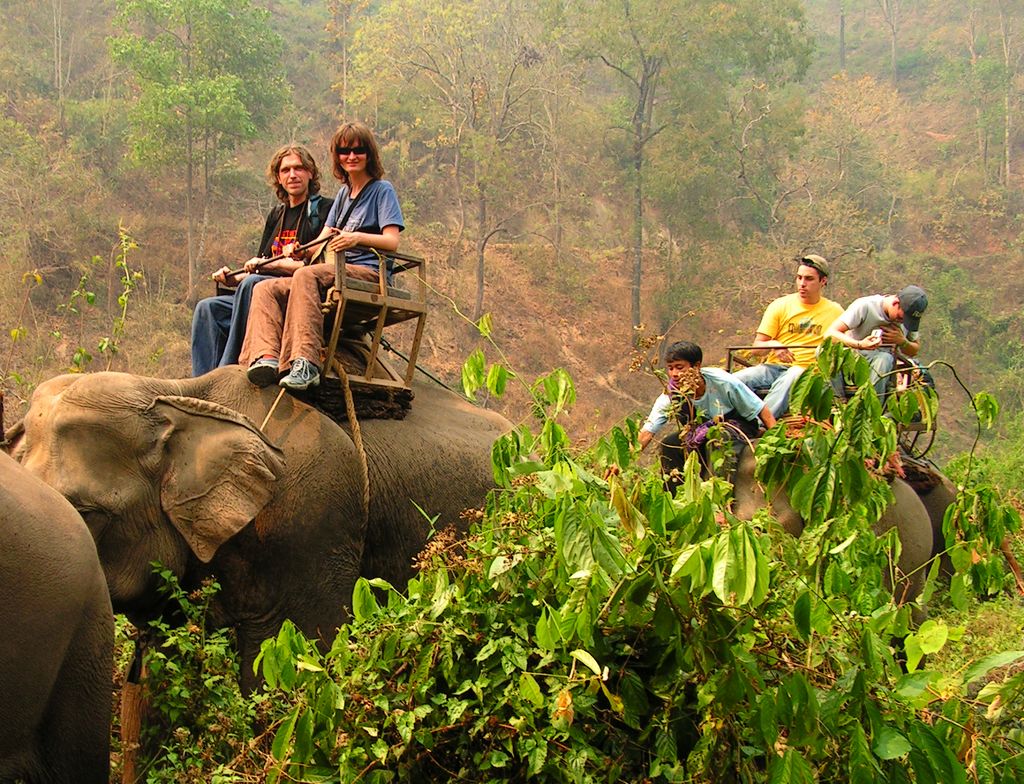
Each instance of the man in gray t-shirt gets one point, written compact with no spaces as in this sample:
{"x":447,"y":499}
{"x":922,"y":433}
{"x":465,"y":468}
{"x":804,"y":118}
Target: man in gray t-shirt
{"x":880,"y":325}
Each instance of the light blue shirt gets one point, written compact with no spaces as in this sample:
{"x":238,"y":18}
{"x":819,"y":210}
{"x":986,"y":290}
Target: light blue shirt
{"x":723,"y":393}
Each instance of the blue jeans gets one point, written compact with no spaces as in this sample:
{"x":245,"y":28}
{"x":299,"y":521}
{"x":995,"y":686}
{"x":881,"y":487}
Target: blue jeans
{"x":218,"y":327}
{"x":882,"y":361}
{"x":778,"y":379}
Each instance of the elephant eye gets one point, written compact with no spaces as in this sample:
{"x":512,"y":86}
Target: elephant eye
{"x":95,"y":519}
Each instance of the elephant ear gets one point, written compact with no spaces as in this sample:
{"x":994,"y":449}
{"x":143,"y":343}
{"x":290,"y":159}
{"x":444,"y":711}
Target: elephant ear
{"x":220,"y":470}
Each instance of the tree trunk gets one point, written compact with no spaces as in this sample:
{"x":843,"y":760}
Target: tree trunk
{"x":344,"y":69}
{"x":189,"y":176}
{"x":892,"y":51}
{"x":642,"y":122}
{"x":189,"y":208}
{"x":481,"y":245}
{"x":342,"y":16}
{"x":556,"y":180}
{"x":1004,"y":32}
{"x":204,"y":223}
{"x":842,"y":35}
{"x":460,"y":202}
{"x":638,"y":230}
{"x":972,"y":38}
{"x":134,"y":706}
{"x":890,"y":14}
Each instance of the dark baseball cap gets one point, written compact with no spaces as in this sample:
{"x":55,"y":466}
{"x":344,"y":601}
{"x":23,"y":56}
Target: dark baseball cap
{"x":914,"y":302}
{"x":817,"y":262}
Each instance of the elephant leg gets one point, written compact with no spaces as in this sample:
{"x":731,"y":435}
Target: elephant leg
{"x":318,"y":622}
{"x":76,"y":731}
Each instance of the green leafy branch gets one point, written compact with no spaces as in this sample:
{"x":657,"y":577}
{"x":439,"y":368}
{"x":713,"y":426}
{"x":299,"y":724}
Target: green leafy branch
{"x":593,"y":631}
{"x":129,"y":282}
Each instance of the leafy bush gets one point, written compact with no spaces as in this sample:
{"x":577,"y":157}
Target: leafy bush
{"x":197,"y":718}
{"x":593,"y":627}
{"x":591,"y":630}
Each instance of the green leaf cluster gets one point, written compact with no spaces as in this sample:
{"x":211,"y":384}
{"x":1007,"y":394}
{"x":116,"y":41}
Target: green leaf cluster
{"x":593,"y":630}
{"x":197,"y":718}
{"x":206,"y":75}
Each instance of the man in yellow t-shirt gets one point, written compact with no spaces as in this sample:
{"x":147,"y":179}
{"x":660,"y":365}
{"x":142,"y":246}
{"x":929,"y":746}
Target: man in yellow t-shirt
{"x":793,"y":327}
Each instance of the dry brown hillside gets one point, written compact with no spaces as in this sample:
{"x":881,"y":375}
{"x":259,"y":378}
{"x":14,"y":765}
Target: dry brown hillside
{"x":583,"y":327}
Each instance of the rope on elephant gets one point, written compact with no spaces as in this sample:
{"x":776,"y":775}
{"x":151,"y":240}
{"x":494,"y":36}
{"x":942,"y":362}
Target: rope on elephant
{"x":357,"y":433}
{"x":270,"y":413}
{"x":385,"y":344}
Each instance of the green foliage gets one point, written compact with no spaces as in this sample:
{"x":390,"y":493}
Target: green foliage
{"x":591,"y":630}
{"x":477,"y":375}
{"x":206,"y":73}
{"x":198,"y":720}
{"x":207,"y":80}
{"x":129,"y":281}
{"x":74,"y":324}
{"x":978,"y":525}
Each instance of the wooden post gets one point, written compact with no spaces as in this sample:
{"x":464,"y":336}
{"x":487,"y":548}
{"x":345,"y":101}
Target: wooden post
{"x":133,"y":706}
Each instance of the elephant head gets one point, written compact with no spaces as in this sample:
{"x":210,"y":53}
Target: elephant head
{"x":157,"y":475}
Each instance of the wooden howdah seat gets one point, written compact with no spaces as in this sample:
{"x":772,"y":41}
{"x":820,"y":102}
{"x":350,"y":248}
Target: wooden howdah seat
{"x":915,"y":438}
{"x":739,"y":355}
{"x":357,"y":312}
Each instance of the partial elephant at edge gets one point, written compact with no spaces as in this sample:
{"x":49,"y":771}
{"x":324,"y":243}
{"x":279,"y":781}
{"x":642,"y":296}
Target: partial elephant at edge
{"x":912,"y":518}
{"x":57,"y":655}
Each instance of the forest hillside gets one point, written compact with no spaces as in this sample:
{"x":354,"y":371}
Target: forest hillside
{"x":586,"y":173}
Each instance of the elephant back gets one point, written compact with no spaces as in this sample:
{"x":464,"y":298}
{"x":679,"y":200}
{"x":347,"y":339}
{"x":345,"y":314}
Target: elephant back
{"x":433,"y":465}
{"x":749,"y":497}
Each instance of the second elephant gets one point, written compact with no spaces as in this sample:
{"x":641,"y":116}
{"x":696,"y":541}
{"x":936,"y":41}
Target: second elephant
{"x":176,"y":471}
{"x":57,"y":652}
{"x":907,"y":514}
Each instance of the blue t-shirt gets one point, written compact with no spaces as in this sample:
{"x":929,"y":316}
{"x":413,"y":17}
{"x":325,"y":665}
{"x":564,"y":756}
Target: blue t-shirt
{"x":376,"y":207}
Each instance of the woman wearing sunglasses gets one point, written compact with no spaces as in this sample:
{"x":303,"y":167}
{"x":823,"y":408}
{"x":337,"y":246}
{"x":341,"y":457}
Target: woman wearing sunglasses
{"x":286,"y":326}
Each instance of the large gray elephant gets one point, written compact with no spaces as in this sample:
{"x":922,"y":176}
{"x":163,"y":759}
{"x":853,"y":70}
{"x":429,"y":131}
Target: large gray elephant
{"x":907,"y":513}
{"x":57,"y":652}
{"x":177,"y":471}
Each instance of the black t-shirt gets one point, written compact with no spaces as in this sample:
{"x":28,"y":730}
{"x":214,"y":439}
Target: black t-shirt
{"x":277,"y":232}
{"x":289,"y":228}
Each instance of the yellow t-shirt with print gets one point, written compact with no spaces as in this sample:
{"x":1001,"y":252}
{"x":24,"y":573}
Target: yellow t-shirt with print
{"x":793,"y":322}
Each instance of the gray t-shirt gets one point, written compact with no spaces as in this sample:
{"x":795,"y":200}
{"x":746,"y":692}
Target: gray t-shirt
{"x":865,"y":315}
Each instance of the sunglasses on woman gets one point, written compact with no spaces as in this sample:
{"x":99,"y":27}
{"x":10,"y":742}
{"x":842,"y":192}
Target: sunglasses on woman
{"x":346,"y":151}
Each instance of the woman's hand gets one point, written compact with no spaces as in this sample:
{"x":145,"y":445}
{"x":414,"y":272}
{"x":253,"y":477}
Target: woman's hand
{"x":343,"y":240}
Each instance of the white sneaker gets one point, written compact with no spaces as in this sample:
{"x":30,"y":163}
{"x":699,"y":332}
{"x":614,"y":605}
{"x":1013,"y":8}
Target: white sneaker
{"x":304,"y":374}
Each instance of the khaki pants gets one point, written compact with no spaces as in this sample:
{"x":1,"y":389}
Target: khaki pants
{"x":285,"y":320}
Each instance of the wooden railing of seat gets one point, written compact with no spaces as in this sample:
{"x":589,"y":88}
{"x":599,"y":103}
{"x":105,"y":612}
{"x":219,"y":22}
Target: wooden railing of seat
{"x":367,"y":307}
{"x":733,"y":357}
{"x":915,"y":438}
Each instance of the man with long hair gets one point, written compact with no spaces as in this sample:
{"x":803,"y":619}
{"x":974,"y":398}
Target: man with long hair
{"x":218,"y":324}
